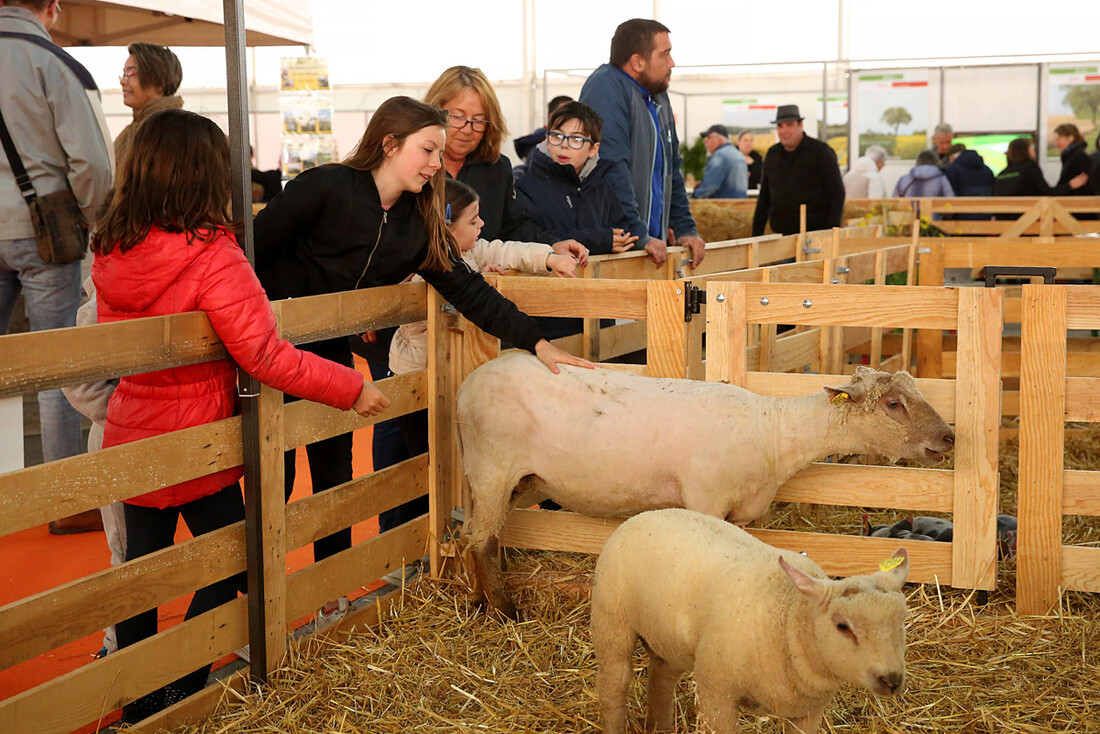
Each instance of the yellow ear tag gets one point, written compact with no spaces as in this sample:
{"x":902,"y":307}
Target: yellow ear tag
{"x":890,"y":563}
{"x":839,"y":398}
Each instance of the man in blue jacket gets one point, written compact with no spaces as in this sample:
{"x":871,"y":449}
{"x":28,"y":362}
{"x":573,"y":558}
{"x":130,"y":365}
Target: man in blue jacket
{"x":726,"y":175}
{"x":639,"y":136}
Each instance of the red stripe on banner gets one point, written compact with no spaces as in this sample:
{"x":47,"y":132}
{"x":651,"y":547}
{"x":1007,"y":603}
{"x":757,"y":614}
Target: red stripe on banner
{"x":1092,"y":77}
{"x":761,"y":107}
{"x":909,"y":84}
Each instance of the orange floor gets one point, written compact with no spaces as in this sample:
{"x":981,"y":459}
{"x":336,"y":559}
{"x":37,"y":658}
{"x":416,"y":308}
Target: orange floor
{"x":33,"y":561}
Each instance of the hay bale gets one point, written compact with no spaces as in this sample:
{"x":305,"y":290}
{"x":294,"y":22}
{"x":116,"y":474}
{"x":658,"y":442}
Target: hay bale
{"x":723,"y":219}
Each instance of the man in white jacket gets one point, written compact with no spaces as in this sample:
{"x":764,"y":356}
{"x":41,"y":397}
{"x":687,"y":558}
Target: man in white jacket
{"x":864,"y":180}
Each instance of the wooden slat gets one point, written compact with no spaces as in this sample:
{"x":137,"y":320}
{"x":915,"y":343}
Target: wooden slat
{"x":794,"y":350}
{"x":83,"y":695}
{"x":633,"y":265}
{"x":1082,"y":307}
{"x":1081,"y":493}
{"x":940,"y":394}
{"x":444,"y":371}
{"x":618,"y":299}
{"x":892,"y":306}
{"x":352,"y":312}
{"x":1082,"y":399}
{"x":726,"y":336}
{"x":1043,"y":405}
{"x":78,"y":608}
{"x":1081,"y":568}
{"x":308,"y":422}
{"x":559,"y":531}
{"x":930,"y":341}
{"x":977,"y":417}
{"x":271,"y":525}
{"x":924,"y":490}
{"x":774,"y":250}
{"x":88,"y":481}
{"x":1061,"y":253}
{"x":312,"y":586}
{"x":841,"y":555}
{"x":666,"y":335}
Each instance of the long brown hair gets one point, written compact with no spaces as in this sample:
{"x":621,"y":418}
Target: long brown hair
{"x":454,"y":80}
{"x":1069,"y":130}
{"x":1018,"y":150}
{"x":176,"y":178}
{"x":395,"y":120}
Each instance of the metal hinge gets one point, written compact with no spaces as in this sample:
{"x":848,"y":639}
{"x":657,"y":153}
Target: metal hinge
{"x":694,"y":298}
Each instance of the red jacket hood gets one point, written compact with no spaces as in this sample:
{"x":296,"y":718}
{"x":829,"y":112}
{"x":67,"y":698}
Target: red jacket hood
{"x":131,"y":281}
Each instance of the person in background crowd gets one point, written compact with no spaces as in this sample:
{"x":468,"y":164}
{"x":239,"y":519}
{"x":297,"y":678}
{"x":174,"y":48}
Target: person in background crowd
{"x":525,"y":145}
{"x":864,"y":181}
{"x":629,"y":93}
{"x":1075,"y":161}
{"x":265,"y":184}
{"x":726,"y":175}
{"x":51,"y":108}
{"x":798,"y":170}
{"x":942,"y":138}
{"x":924,"y":179}
{"x":753,"y":160}
{"x":1094,"y":158}
{"x":375,"y":219}
{"x":1023,"y":177}
{"x":150,"y":78}
{"x":567,"y":192}
{"x":164,"y":245}
{"x":968,"y":173}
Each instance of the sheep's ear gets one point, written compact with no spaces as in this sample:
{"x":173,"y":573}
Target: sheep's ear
{"x":853,"y":392}
{"x":808,"y":585}
{"x":894,"y":570}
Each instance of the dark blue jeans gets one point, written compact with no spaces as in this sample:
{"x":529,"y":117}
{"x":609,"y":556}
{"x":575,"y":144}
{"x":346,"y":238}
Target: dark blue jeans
{"x":394,"y":441}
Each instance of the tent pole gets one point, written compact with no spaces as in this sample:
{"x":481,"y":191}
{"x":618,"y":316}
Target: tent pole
{"x":249,"y":387}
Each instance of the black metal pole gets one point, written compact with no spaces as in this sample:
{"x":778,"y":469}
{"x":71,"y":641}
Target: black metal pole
{"x":249,"y":387}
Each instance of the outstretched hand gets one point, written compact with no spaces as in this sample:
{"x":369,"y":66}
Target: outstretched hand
{"x":573,"y":249}
{"x":695,"y":245}
{"x":370,"y":402}
{"x":551,"y":356}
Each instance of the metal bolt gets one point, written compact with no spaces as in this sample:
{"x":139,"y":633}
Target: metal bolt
{"x":841,"y":270}
{"x":836,"y":281}
{"x":764,"y":301}
{"x":807,"y":303}
{"x":720,"y":298}
{"x":678,"y":291}
{"x":924,"y":250}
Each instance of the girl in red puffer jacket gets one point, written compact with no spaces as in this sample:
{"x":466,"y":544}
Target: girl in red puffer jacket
{"x":164,"y":245}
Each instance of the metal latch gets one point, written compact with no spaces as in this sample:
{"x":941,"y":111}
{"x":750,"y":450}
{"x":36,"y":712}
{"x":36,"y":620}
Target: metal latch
{"x":694,"y":298}
{"x":992,"y":272}
{"x":807,"y":250}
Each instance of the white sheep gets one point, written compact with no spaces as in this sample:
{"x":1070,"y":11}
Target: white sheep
{"x":606,"y":443}
{"x":763,"y":629}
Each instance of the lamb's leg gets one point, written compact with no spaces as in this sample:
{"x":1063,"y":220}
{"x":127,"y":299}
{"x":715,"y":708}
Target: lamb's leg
{"x":488,"y":515}
{"x":490,"y":579}
{"x":663,"y":677}
{"x":614,"y":646}
{"x":715,"y":704}
{"x":805,"y":725}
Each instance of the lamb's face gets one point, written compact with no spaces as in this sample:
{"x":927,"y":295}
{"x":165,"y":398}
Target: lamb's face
{"x":861,"y":636}
{"x":894,"y":418}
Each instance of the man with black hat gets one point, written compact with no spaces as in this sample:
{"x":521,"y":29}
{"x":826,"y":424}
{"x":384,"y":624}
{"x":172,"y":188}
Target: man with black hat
{"x":726,"y":175}
{"x":798,"y":170}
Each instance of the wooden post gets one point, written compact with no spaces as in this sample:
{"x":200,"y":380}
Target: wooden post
{"x":666,"y":330}
{"x":907,"y":334}
{"x":876,"y":331}
{"x":800,"y":241}
{"x":930,"y":341}
{"x":726,"y":330}
{"x":443,"y":458}
{"x":977,"y":419}
{"x":273,"y":520}
{"x":767,"y":334}
{"x":1042,"y":436}
{"x":590,"y":343}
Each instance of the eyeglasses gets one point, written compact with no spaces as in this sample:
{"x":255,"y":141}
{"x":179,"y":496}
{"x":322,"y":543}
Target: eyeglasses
{"x":576,"y":142}
{"x":127,"y":74}
{"x":459,"y":121}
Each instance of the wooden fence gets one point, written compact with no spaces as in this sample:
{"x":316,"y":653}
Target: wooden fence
{"x":32,"y":496}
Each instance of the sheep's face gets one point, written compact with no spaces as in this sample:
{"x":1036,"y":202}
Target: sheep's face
{"x":892,"y":417}
{"x":859,"y":626}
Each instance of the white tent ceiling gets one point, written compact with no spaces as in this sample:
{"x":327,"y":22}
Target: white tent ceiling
{"x":179,"y":23}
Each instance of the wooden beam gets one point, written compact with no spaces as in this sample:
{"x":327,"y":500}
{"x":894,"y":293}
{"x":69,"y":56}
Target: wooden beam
{"x":619,"y":299}
{"x":726,"y":335}
{"x":893,"y":306}
{"x":666,"y":333}
{"x":915,"y":490}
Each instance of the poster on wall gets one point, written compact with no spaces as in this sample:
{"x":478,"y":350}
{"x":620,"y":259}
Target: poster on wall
{"x":751,"y":113}
{"x":893,"y":111}
{"x":1073,"y":96}
{"x":303,"y":74}
{"x":832,"y":125}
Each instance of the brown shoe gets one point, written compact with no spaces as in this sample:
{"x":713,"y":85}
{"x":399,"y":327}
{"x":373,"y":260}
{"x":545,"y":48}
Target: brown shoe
{"x":82,"y":522}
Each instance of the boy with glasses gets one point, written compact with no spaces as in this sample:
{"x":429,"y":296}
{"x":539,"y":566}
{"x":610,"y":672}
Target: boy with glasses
{"x":566,"y":191}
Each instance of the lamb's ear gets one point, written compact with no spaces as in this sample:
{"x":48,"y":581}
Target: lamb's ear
{"x":894,"y":570}
{"x":853,"y":392}
{"x":808,"y":585}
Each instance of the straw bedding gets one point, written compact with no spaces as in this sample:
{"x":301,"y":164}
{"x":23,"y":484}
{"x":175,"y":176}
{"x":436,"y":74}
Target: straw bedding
{"x":435,"y":664}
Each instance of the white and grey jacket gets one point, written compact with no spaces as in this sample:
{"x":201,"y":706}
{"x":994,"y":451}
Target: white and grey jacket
{"x":56,"y":122}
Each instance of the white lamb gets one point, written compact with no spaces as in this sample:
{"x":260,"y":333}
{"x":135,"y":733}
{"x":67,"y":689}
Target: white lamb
{"x":764,"y":629}
{"x":611,"y":444}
